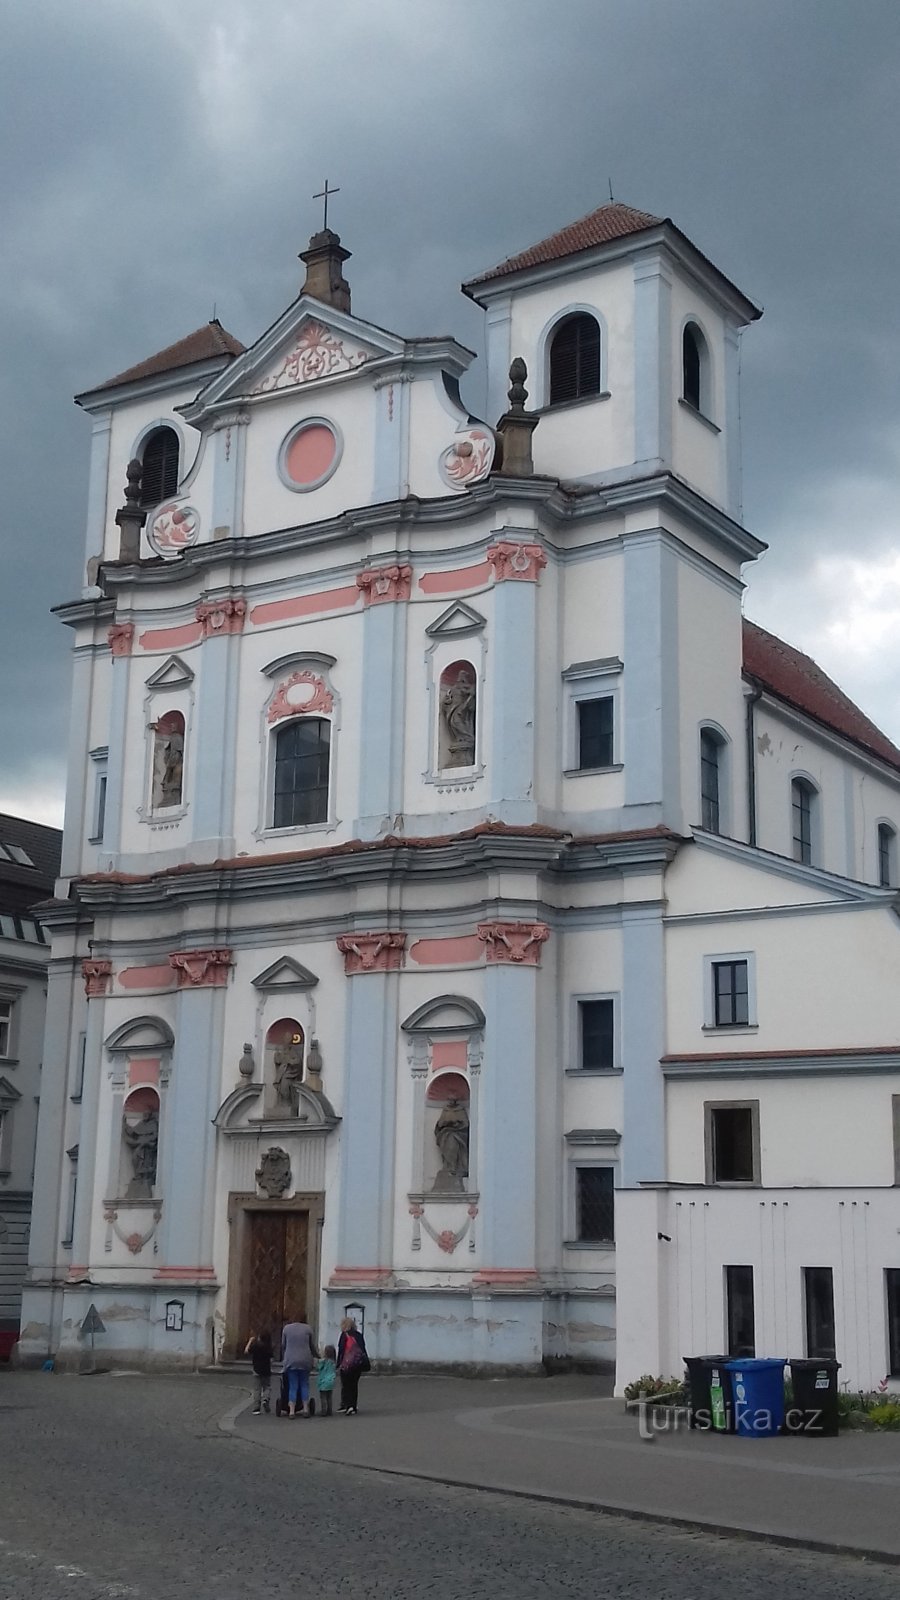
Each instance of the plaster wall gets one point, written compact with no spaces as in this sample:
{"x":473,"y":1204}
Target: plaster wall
{"x":129,"y":425}
{"x":348,"y":405}
{"x":710,"y":692}
{"x":698,"y":445}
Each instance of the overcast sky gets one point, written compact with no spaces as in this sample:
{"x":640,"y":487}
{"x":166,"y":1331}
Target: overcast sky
{"x":160,"y":158}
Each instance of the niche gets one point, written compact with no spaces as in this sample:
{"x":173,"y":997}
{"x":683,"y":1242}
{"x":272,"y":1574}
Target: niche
{"x":168,"y":761}
{"x":284,"y":1067}
{"x":447,"y":1134}
{"x":140,"y":1144}
{"x":458,"y":694}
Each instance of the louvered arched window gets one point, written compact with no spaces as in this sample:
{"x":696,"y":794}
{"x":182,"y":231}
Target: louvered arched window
{"x":575,"y":359}
{"x":695,"y":370}
{"x":159,"y":467}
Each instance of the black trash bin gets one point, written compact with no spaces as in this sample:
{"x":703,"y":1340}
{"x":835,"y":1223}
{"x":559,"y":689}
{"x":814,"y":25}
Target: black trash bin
{"x":814,"y":1409}
{"x":709,"y":1383}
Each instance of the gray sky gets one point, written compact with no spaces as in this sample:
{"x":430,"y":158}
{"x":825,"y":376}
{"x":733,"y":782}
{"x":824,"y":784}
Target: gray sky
{"x":161,"y":157}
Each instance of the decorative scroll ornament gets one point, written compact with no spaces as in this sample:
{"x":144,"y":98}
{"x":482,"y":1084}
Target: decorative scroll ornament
{"x":173,"y":529}
{"x":121,"y":638}
{"x":521,"y":561}
{"x":97,"y":976}
{"x":380,"y":584}
{"x":198,"y":969}
{"x":448,"y":1238}
{"x":518,"y":942}
{"x":468,"y":459}
{"x":372,"y":952}
{"x":302,"y":692}
{"x":315,"y":353}
{"x":134,"y":1241}
{"x":221,"y":616}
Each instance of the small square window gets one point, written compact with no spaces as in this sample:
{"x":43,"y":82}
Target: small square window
{"x":6,"y":1011}
{"x":595,"y":732}
{"x":731,"y":994}
{"x":594,"y":1205}
{"x":597,"y":1029}
{"x":732,"y":1142}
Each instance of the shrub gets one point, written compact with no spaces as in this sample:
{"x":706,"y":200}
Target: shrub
{"x":886,"y":1414}
{"x":650,"y":1387}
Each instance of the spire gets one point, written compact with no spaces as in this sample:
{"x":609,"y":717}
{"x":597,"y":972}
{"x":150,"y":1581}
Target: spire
{"x":130,"y":518}
{"x":324,"y":278}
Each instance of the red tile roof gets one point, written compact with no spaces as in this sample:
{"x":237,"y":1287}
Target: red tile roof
{"x":612,"y":221}
{"x":204,"y":344}
{"x":797,"y":680}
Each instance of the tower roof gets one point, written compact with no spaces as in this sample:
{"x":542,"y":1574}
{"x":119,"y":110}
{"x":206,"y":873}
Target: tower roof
{"x":608,"y":222}
{"x":204,"y":344}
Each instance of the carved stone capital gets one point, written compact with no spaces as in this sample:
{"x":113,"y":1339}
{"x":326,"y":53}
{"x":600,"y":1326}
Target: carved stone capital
{"x":97,"y":976}
{"x":121,"y":638}
{"x":382,"y":584}
{"x":302,"y":692}
{"x":513,"y":942}
{"x":516,"y":561}
{"x":217,"y":617}
{"x":198,"y":969}
{"x":372,"y":952}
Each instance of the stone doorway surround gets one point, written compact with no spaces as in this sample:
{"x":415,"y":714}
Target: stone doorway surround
{"x":241,"y":1207}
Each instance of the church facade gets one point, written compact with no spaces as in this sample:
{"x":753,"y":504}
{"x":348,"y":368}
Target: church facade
{"x":454,"y":886}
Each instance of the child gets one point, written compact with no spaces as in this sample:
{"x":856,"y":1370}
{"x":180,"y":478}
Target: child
{"x":259,"y":1349}
{"x":325,"y":1375}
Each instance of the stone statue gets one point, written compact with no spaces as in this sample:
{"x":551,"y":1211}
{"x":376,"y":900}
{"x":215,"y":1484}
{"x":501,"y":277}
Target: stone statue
{"x":288,"y":1062}
{"x":142,"y":1138}
{"x":451,"y":1135}
{"x":458,"y":716}
{"x":274,"y":1172}
{"x":168,"y":769}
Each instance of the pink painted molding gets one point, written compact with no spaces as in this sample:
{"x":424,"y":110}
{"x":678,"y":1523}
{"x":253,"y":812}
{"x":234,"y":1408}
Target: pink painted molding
{"x":304,"y":605}
{"x":449,"y":1053}
{"x":143,"y":1072}
{"x":178,"y":1274}
{"x":507,"y":1277}
{"x":518,"y":942}
{"x":146,"y":978}
{"x":522,"y":561}
{"x":320,"y":699}
{"x":382,"y":584}
{"x":201,"y":969}
{"x":456,"y":579}
{"x":97,"y":976}
{"x":449,"y":952}
{"x":358,"y":1277}
{"x":372,"y":952}
{"x":121,"y":638}
{"x":217,"y":617}
{"x":171,"y":638}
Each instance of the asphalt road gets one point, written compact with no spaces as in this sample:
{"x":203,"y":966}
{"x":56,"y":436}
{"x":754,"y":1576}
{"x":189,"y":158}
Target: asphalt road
{"x":126,"y":1487}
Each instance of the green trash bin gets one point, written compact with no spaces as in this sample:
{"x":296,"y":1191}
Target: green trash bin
{"x":709,"y":1385}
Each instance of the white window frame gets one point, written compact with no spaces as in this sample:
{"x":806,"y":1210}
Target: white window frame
{"x":815,"y":819}
{"x":590,"y":680}
{"x":9,"y":1047}
{"x":269,"y":829}
{"x":609,"y":1163}
{"x":575,"y":1069}
{"x":709,"y":993}
{"x":724,"y":770}
{"x":100,"y":759}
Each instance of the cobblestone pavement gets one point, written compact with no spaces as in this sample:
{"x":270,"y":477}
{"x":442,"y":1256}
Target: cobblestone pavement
{"x":127,"y":1487}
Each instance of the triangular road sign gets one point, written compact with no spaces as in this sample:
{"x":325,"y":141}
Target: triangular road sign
{"x":93,"y":1322}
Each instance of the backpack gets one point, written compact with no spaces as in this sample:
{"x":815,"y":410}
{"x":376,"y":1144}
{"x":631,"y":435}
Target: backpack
{"x":353,"y":1357}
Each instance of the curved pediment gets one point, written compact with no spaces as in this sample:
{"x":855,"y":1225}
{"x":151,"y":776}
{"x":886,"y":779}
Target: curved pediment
{"x":141,"y":1033}
{"x":238,"y":1113}
{"x":448,"y":1013}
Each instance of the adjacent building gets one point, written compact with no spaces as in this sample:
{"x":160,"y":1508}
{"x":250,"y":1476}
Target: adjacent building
{"x":465,"y":915}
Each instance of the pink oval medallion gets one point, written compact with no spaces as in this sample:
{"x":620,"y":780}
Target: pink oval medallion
{"x":310,"y":455}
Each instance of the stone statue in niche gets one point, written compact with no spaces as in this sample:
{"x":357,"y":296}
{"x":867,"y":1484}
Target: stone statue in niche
{"x":451,"y":1135}
{"x":168,"y":761}
{"x":142,"y":1139}
{"x":288,"y":1064}
{"x":458,"y":717}
{"x":273,"y":1174}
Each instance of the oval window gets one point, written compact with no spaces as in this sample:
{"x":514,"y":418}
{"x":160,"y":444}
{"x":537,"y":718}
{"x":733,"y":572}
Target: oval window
{"x":309,"y":455}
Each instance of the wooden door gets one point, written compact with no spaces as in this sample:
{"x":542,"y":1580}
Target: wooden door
{"x":279,"y":1246}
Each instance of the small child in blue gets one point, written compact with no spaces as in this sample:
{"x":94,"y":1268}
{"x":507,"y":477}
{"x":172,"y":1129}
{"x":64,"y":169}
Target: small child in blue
{"x":326,"y":1371}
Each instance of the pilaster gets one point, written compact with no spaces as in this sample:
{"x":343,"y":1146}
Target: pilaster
{"x":366,"y":1190}
{"x":507,"y":1156}
{"x":498,"y":337}
{"x":87,"y":1196}
{"x":517,"y":565}
{"x":98,"y":488}
{"x":654,"y":397}
{"x":118,"y":732}
{"x":383,"y":707}
{"x":214,"y":748}
{"x":651,"y":702}
{"x":643,"y":1042}
{"x":78,"y":764}
{"x":228,"y":476}
{"x":186,"y":1180}
{"x":732,"y":495}
{"x":62,"y":1026}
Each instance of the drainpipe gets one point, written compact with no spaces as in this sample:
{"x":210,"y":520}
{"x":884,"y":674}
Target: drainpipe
{"x":751,"y":766}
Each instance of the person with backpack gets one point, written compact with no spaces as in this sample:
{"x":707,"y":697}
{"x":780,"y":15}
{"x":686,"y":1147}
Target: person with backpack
{"x":259,"y":1349}
{"x":352,"y":1362}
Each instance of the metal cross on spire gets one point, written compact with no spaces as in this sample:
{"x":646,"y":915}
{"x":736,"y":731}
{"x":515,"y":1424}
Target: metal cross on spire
{"x":325,"y":194}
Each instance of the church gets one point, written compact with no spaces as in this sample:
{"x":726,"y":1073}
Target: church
{"x":466,"y":918}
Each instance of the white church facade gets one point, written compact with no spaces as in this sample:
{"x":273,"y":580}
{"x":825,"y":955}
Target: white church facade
{"x":465,"y":914}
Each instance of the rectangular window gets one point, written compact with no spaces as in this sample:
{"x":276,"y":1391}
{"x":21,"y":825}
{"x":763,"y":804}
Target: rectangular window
{"x":818,"y":1285}
{"x":740,"y":1321}
{"x":801,"y":811}
{"x":595,"y":732}
{"x":301,"y":773}
{"x":732,"y":1142}
{"x":892,"y":1288}
{"x":597,"y":1022}
{"x":78,"y":1086}
{"x":594,"y":1205}
{"x":885,"y":855}
{"x":709,"y":782}
{"x":731,"y":994}
{"x":6,"y":1011}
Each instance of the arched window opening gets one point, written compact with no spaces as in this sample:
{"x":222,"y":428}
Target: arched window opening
{"x":140,"y":1144}
{"x":803,"y":800}
{"x":284,"y":1066}
{"x":159,"y":467}
{"x":575,"y":359}
{"x":695,"y":369}
{"x":302,"y":753}
{"x":168,"y":761}
{"x":710,"y":781}
{"x":886,"y":847}
{"x":458,"y":708}
{"x":447,"y":1111}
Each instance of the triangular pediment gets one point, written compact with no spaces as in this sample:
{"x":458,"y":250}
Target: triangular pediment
{"x":310,"y":344}
{"x":173,"y":674}
{"x":457,"y":620}
{"x":285,"y":974}
{"x":9,"y":1094}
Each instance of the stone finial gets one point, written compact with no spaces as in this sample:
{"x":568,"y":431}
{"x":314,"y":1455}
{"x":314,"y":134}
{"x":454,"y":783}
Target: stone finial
{"x":314,"y":1066}
{"x":130,"y":518}
{"x":516,"y":426}
{"x":324,"y":278}
{"x":246,"y":1065}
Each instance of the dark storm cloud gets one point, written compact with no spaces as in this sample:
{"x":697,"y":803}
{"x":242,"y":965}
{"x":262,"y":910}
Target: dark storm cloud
{"x":160,"y":158}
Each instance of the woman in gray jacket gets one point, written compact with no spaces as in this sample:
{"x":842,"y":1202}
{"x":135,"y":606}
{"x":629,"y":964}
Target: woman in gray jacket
{"x":298,"y":1353}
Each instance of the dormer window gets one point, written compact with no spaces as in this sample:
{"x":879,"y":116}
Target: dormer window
{"x":575,"y":359}
{"x":695,"y":369}
{"x":159,"y":467}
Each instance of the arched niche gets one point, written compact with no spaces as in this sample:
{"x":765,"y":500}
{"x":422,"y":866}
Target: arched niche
{"x":283,"y":1066}
{"x":167,"y":777}
{"x":139,"y":1053}
{"x":139,"y":1149}
{"x":458,"y":716}
{"x":445,"y":1041}
{"x":447,"y":1134}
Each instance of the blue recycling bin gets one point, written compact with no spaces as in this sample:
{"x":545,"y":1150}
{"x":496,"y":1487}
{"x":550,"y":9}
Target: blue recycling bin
{"x":757,"y":1387}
